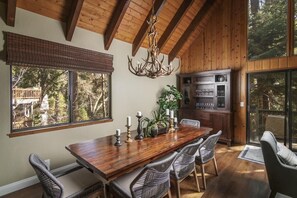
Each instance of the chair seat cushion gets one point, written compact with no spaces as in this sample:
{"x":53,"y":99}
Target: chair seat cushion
{"x":79,"y":181}
{"x":121,"y":185}
{"x":286,"y":155}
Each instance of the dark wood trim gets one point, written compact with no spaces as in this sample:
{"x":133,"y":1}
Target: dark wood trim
{"x":195,"y":22}
{"x":10,"y":12}
{"x":56,"y":128}
{"x":115,"y":21}
{"x":142,"y":31}
{"x":73,"y":18}
{"x":174,"y":22}
{"x":290,"y":28}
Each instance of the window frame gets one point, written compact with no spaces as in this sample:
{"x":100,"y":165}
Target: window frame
{"x":71,"y":122}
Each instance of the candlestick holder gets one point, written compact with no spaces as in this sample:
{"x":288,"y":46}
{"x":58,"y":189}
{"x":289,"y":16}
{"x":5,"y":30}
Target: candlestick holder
{"x":118,"y":140}
{"x":128,"y":134}
{"x":171,"y":129}
{"x":175,"y":124}
{"x":139,"y":135}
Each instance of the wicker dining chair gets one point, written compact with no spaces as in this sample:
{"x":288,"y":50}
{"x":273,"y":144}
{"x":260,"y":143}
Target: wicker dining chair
{"x":189,"y":122}
{"x":206,"y":152}
{"x":151,"y":181}
{"x":77,"y":183}
{"x":184,"y":165}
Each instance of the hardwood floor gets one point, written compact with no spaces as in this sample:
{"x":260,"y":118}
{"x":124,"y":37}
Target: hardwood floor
{"x":237,"y":178}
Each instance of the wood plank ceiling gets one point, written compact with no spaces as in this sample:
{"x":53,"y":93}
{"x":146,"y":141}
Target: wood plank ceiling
{"x":179,"y":21}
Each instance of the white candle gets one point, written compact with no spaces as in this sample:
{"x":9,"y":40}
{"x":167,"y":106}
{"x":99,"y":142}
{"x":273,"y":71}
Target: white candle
{"x":138,"y":113}
{"x":118,"y":132}
{"x":129,"y":121}
{"x":171,"y":114}
{"x":167,"y":112}
{"x":175,"y":119}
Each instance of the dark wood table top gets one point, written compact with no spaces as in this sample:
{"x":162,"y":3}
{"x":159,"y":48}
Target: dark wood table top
{"x":110,"y":161}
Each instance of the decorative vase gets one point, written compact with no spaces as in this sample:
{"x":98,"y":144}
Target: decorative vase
{"x":154,"y":132}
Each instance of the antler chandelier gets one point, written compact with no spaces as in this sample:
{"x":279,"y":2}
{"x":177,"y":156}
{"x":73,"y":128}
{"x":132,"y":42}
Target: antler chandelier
{"x":152,"y":66}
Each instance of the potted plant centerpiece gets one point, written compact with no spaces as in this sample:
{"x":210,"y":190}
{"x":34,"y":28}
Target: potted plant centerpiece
{"x":168,"y":99}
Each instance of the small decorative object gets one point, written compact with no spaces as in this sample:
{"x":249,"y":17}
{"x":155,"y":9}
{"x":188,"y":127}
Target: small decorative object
{"x":128,"y":132}
{"x":154,"y":130}
{"x":118,"y":138}
{"x":167,"y":112}
{"x":175,"y":123}
{"x":139,"y":127}
{"x":138,"y":113}
{"x":171,"y":114}
{"x":171,"y":129}
{"x":129,"y":121}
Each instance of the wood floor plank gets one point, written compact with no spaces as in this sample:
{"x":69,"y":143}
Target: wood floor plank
{"x":237,"y":178}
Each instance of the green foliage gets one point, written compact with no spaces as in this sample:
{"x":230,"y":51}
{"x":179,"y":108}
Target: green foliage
{"x":168,"y":99}
{"x":267,"y":30}
{"x":83,"y":114}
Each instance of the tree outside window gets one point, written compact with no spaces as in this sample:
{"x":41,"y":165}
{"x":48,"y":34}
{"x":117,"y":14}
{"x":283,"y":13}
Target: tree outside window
{"x":267,"y":28}
{"x":42,"y":97}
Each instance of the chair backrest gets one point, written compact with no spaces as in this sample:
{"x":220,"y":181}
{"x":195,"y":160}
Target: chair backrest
{"x":277,"y":172}
{"x":184,"y":162}
{"x":207,"y":148}
{"x":189,"y":122}
{"x":154,"y":179}
{"x":51,"y":186}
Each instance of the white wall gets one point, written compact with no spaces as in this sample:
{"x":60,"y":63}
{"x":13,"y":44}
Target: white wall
{"x":129,"y":95}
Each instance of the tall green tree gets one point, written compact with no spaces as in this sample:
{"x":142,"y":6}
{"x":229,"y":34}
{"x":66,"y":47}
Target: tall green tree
{"x":267,"y":29}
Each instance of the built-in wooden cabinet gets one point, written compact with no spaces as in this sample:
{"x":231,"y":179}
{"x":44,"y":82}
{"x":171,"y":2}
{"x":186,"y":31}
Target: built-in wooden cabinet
{"x":207,"y":98}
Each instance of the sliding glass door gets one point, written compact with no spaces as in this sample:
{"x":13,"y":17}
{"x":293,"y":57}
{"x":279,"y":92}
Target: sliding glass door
{"x":267,"y":104}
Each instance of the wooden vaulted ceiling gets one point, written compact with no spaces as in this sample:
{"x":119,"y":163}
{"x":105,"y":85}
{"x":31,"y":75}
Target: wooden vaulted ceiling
{"x":179,"y":21}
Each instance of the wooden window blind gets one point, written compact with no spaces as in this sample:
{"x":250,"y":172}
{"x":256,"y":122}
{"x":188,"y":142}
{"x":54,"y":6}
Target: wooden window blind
{"x":33,"y":52}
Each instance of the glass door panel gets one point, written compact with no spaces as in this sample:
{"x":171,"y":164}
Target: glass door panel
{"x":266,"y":105}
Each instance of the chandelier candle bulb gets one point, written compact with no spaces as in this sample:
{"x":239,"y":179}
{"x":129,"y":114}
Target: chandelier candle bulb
{"x":171,"y":114}
{"x":129,"y":121}
{"x":138,"y":113}
{"x":167,"y":112}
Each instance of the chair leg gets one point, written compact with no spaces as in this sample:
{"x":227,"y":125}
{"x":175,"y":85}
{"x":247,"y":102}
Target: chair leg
{"x":169,"y":193}
{"x":215,"y":165}
{"x":196,"y":179}
{"x":203,"y":175}
{"x":177,"y":189}
{"x":105,"y":195}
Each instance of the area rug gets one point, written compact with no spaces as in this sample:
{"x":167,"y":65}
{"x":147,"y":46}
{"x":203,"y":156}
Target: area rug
{"x":252,"y":154}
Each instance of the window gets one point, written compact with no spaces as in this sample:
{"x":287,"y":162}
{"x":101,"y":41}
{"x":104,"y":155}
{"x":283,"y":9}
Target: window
{"x":54,"y":84}
{"x":91,"y":96}
{"x":267,"y":28}
{"x":42,"y":97}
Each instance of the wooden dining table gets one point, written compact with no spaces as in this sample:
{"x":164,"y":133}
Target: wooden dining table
{"x":109,"y":161}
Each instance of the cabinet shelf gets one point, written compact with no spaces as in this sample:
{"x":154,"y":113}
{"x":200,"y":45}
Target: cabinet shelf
{"x":204,"y":83}
{"x":197,"y":96}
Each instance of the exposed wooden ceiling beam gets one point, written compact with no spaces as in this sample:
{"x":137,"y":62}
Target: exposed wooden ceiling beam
{"x":142,"y":32}
{"x":174,"y":22}
{"x":73,"y":18}
{"x":115,"y":22}
{"x":10,"y":15}
{"x":195,"y":22}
